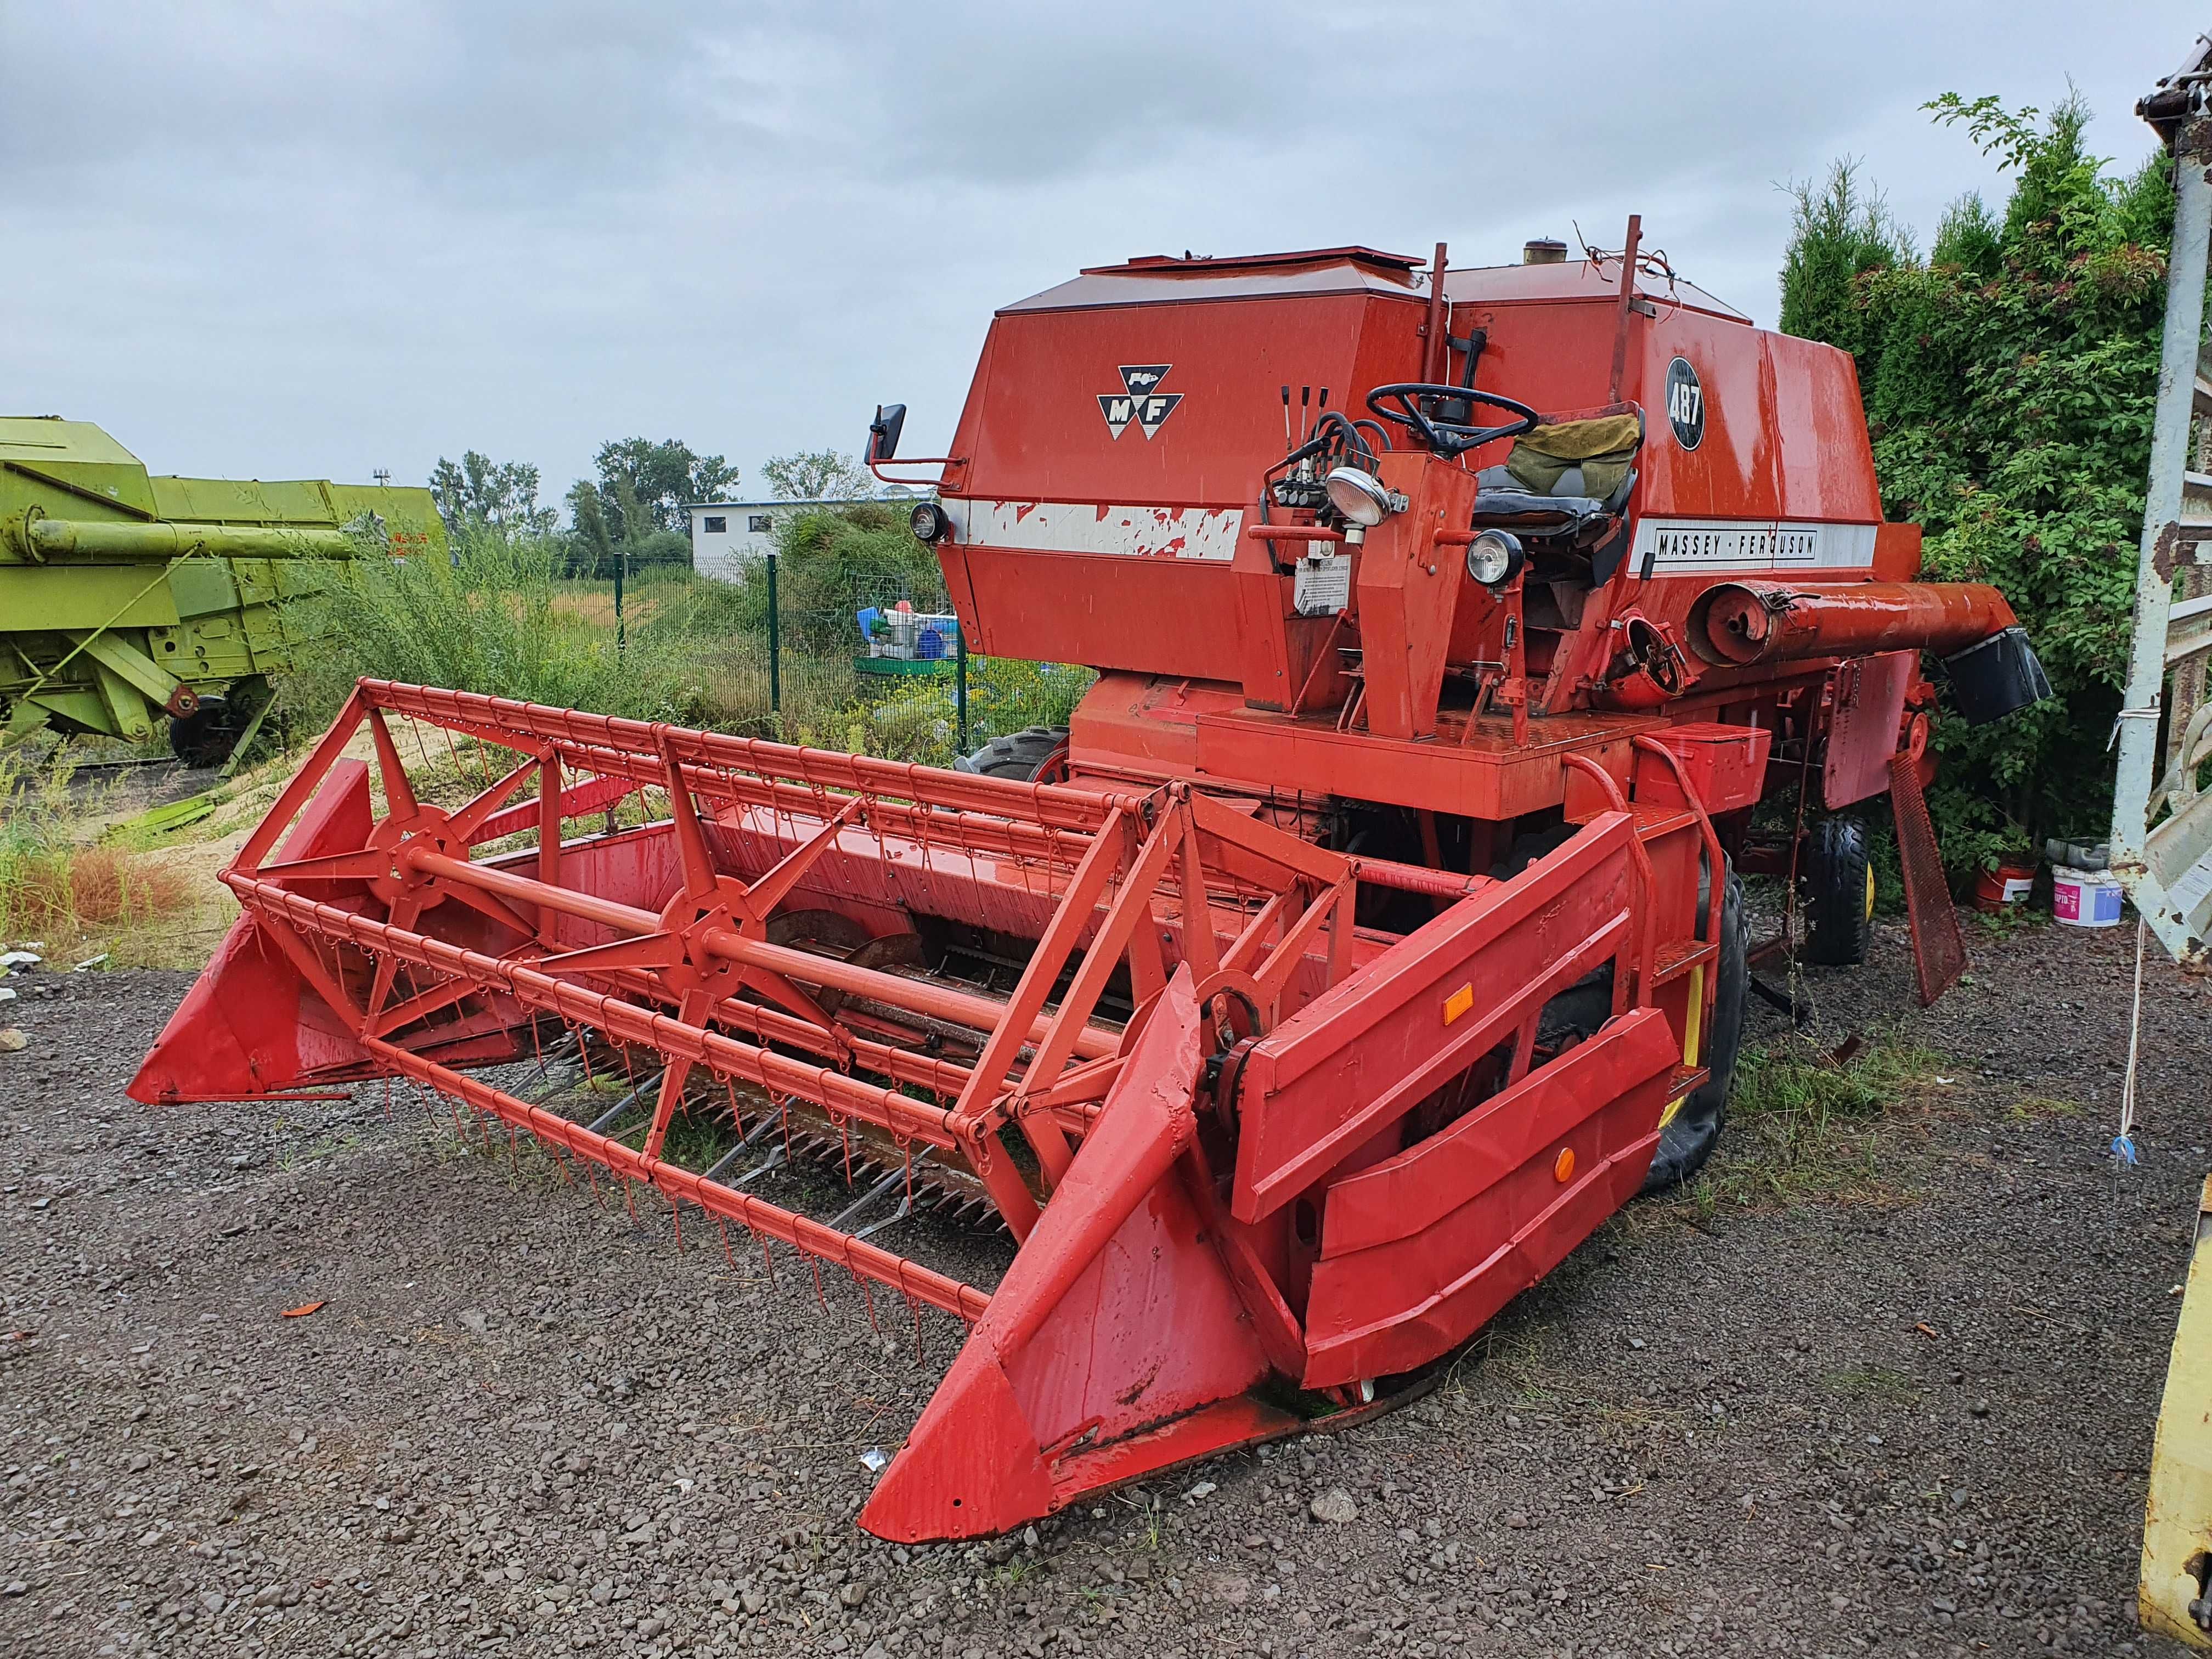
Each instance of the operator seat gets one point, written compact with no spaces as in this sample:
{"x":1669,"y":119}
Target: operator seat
{"x":1563,"y":480}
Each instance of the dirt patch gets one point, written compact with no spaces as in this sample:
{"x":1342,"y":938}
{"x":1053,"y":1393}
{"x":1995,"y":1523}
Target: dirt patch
{"x":1912,"y":1419}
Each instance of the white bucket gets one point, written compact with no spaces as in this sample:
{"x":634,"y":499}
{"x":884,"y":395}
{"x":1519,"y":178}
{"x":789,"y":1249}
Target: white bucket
{"x":2085,"y":898}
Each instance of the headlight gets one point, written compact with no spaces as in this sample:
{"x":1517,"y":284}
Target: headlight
{"x":1360,"y":497}
{"x":1494,"y":557}
{"x":929,"y":522}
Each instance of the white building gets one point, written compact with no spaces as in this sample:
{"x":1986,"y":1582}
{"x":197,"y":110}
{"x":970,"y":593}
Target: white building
{"x":726,"y":536}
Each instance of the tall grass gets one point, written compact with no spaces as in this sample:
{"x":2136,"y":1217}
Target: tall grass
{"x":490,"y":619}
{"x":501,"y":616}
{"x":53,"y":885}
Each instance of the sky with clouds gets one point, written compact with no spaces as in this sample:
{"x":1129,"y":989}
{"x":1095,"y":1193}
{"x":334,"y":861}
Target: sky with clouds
{"x":310,"y":240}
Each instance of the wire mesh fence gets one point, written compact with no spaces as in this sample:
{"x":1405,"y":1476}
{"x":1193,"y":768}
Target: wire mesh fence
{"x":881,"y":665}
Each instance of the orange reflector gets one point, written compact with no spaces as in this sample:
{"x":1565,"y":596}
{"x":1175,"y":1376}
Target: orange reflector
{"x":1458,"y":1002}
{"x":1563,"y":1166}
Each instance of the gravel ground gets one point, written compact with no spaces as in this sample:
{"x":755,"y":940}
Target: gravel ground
{"x":1914,"y":1420}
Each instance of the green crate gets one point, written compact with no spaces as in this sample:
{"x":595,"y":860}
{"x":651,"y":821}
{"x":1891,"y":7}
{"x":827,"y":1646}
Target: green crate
{"x":903,"y":667}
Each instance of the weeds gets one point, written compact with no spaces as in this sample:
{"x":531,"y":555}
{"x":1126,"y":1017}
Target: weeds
{"x":500,"y":617}
{"x":490,"y":618}
{"x":54,"y":884}
{"x":1876,"y":1382}
{"x":2013,"y":919}
{"x":1805,"y":1127}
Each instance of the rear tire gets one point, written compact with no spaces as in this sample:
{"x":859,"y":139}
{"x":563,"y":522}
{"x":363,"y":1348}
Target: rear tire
{"x":1035,"y":755}
{"x":1839,"y":893}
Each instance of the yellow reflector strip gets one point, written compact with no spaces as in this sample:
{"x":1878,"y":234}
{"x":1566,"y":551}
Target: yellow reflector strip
{"x":1694,"y":1020}
{"x":1673,"y":1106}
{"x":1458,"y":1002}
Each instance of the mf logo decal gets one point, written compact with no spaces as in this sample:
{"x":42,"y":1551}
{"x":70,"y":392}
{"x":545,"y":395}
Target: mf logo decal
{"x":1139,"y":402}
{"x":1686,"y":403}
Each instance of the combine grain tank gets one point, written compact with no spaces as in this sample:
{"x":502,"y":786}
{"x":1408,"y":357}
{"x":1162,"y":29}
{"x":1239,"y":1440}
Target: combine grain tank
{"x":1371,"y":938}
{"x":128,"y":600}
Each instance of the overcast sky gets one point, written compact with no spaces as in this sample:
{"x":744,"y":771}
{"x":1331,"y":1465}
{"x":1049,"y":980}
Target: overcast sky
{"x":313,"y":239}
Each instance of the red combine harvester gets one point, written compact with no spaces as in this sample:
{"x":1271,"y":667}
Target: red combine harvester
{"x":1370,"y":937}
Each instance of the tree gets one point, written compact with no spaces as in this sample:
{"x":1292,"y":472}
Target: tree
{"x":502,"y":494}
{"x":666,"y":478}
{"x":595,"y":543}
{"x":817,"y":475}
{"x":2008,"y":385}
{"x":1844,"y":234}
{"x":610,"y":522}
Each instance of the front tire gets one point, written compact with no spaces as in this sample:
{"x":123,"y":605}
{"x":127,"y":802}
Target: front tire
{"x":1038,"y":754}
{"x":1688,"y":1136}
{"x":1691,"y":1130}
{"x":205,"y":737}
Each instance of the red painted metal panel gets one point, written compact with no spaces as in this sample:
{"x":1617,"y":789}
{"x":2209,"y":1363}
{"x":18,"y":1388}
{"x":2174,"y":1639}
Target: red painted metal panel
{"x":1865,"y":726}
{"x":1726,"y":765}
{"x":1480,"y":774}
{"x":1409,"y":589}
{"x":1417,"y":1251}
{"x":250,"y":1025}
{"x":1117,"y":1316}
{"x":1766,"y":452}
{"x":1354,"y":1061}
{"x":1151,"y":615}
{"x":1033,"y":429}
{"x":1939,"y":948}
{"x":1411,"y":1192}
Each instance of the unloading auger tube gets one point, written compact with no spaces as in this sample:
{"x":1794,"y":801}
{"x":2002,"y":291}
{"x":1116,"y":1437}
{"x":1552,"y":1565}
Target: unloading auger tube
{"x":1260,"y":1163}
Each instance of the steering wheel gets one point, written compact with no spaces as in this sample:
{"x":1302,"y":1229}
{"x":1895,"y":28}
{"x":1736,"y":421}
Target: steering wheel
{"x":1397,"y":403}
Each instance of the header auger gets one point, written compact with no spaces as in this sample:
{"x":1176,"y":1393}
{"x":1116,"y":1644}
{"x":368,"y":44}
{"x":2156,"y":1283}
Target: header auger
{"x":1377,"y":936}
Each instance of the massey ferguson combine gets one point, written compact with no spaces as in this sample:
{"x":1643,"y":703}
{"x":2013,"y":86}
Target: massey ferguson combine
{"x":1372,"y":936}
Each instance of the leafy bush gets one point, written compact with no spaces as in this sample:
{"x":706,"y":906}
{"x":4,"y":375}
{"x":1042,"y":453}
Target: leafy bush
{"x":833,"y":560}
{"x":2008,"y":382}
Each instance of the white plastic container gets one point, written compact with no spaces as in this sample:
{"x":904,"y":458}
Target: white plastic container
{"x":2085,"y":898}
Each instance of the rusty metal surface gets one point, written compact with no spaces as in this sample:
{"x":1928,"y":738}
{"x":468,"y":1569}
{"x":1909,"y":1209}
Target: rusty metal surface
{"x":1939,"y":948}
{"x":1864,"y":724}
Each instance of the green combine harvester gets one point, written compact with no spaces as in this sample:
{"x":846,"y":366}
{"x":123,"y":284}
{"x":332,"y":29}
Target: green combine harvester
{"x":127,"y":599}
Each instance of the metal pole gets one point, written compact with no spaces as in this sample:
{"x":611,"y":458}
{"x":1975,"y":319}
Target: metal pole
{"x":622,"y":637}
{"x":2161,"y":528}
{"x":775,"y":646}
{"x":960,"y":682}
{"x":1628,"y":254}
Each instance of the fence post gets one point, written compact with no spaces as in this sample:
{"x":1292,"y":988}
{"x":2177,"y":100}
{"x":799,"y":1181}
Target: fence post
{"x":775,"y":646}
{"x":622,"y":641}
{"x":960,"y":683}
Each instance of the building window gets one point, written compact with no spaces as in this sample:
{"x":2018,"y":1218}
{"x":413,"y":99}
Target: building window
{"x":715,"y":525}
{"x":759,"y":523}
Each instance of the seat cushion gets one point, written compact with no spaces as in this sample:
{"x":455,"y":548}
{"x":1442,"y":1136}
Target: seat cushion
{"x":1577,"y":458}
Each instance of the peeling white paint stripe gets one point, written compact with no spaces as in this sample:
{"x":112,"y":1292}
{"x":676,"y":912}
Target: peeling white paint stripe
{"x":1162,"y":532}
{"x":1675,"y":547}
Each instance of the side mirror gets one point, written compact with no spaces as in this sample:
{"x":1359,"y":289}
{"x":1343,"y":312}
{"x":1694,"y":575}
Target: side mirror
{"x":883,"y":432}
